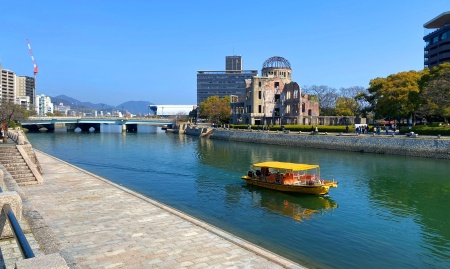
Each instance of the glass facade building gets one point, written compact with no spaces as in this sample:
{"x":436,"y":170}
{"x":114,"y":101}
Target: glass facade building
{"x":437,"y":43}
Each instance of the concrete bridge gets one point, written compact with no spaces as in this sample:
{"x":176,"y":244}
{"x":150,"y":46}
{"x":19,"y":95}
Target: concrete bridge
{"x":102,"y":124}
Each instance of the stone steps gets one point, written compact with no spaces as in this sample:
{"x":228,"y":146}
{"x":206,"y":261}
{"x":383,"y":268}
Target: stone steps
{"x":14,"y":163}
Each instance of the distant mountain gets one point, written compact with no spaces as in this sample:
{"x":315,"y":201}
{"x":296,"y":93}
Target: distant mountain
{"x":134,"y":107}
{"x":74,"y":103}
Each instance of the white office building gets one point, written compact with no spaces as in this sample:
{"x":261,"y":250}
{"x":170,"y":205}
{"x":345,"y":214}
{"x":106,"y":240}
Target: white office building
{"x":43,"y":105}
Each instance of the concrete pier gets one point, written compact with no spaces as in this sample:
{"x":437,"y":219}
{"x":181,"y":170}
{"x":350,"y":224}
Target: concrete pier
{"x":94,"y":223}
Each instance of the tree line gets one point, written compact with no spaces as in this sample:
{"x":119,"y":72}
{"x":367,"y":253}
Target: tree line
{"x":408,"y":95}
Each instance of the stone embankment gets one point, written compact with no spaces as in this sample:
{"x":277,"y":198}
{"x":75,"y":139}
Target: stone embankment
{"x":427,"y":147}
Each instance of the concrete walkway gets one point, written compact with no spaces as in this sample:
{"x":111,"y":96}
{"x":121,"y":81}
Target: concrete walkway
{"x":94,"y":223}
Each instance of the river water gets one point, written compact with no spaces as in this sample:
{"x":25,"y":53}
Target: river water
{"x":388,"y":211}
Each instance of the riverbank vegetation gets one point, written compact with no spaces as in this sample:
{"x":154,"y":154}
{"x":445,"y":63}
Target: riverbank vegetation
{"x":298,"y":128}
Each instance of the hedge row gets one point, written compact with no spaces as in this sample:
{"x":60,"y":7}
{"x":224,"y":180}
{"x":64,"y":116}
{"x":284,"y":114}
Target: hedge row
{"x":303,"y":128}
{"x":426,"y":130}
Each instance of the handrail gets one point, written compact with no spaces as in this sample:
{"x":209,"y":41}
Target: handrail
{"x":21,"y":240}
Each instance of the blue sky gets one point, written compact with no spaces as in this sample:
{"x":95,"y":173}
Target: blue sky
{"x":116,"y":51}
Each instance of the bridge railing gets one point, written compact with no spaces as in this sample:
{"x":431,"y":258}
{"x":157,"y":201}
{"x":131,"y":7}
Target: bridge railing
{"x":46,"y":118}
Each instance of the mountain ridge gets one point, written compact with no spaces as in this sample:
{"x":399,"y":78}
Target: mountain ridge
{"x":134,"y":107}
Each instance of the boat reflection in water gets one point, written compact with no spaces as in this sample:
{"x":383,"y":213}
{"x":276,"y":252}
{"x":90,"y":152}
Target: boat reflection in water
{"x":299,"y":207}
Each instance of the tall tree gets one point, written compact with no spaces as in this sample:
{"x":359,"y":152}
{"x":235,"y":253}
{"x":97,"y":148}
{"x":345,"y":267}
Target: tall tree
{"x":435,"y":91}
{"x":216,"y":109}
{"x":395,"y":96}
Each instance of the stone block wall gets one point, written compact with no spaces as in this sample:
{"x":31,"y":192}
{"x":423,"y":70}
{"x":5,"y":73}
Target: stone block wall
{"x":417,"y":147}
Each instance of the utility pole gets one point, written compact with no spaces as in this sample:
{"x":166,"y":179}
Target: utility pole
{"x":35,"y":71}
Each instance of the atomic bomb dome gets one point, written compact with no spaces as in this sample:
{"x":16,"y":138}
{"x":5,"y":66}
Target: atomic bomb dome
{"x":277,"y":62}
{"x":276,"y":66}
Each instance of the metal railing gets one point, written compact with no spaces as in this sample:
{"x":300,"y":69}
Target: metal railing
{"x":21,"y":240}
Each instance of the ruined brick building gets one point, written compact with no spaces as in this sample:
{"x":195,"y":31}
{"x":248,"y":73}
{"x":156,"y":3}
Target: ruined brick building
{"x":274,"y":99}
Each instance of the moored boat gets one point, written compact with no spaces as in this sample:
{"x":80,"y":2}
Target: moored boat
{"x":289,"y":177}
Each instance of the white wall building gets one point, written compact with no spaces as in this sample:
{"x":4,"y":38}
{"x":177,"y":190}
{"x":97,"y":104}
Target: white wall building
{"x":168,"y":110}
{"x":62,"y":108}
{"x":43,"y":105}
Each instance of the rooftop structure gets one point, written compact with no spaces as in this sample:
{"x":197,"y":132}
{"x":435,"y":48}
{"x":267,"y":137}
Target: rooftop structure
{"x":437,"y":43}
{"x":229,"y":82}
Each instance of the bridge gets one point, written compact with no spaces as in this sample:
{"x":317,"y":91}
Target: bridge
{"x":102,"y":124}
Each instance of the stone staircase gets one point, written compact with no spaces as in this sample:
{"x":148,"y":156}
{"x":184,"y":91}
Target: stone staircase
{"x":12,"y":160}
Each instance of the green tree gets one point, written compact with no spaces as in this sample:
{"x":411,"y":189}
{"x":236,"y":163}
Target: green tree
{"x":216,"y":109}
{"x":358,"y":105}
{"x":346,"y":106}
{"x":435,"y":91}
{"x":396,"y":96}
{"x":10,"y":112}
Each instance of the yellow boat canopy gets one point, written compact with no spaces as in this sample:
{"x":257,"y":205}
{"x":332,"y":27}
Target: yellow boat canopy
{"x":287,"y":166}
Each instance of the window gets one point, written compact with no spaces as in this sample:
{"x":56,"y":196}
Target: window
{"x":295,"y":94}
{"x":259,"y":83}
{"x":435,"y":39}
{"x":277,"y":84}
{"x":259,"y":109}
{"x":303,"y":107}
{"x":259,"y":95}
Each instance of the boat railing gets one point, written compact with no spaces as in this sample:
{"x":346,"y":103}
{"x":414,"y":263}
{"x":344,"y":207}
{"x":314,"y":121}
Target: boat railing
{"x":21,"y":240}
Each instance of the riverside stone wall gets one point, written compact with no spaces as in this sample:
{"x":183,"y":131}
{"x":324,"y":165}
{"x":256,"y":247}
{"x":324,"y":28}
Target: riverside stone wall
{"x":396,"y":145}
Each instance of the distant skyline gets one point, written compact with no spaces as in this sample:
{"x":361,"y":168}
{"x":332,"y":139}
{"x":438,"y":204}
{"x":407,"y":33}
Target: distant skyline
{"x":116,"y":51}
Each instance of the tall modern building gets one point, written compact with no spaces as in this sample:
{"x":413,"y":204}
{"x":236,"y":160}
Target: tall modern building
{"x":229,"y":82}
{"x":7,"y":82}
{"x":233,"y":63}
{"x":25,"y":91}
{"x":437,"y":43}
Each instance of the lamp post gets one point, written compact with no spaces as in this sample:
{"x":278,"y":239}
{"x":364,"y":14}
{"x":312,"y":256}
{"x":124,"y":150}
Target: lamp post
{"x":148,"y":113}
{"x":122,"y":111}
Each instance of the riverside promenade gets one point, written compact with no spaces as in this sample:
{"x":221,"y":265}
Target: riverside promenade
{"x":94,"y":223}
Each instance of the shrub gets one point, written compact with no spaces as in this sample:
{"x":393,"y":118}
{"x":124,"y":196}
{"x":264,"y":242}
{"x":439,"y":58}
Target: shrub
{"x":426,"y":130}
{"x":302,"y":128}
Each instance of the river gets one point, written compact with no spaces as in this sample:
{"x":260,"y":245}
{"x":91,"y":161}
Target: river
{"x":388,"y":211}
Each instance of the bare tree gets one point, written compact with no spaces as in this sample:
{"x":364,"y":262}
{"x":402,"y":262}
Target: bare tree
{"x":10,"y":112}
{"x":327,"y":97}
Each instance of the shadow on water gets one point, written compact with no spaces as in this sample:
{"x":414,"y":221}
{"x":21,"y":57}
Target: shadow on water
{"x":297,"y":206}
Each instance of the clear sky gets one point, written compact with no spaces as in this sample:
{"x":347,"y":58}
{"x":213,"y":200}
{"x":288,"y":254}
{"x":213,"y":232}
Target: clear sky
{"x":116,"y":51}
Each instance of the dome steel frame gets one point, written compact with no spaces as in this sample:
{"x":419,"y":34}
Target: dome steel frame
{"x":277,"y":62}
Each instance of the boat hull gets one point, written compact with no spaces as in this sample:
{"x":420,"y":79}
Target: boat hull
{"x":306,"y":189}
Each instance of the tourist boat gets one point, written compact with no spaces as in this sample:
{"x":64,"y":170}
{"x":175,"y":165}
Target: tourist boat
{"x":289,"y":177}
